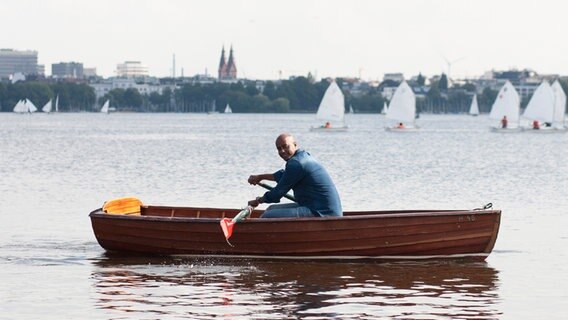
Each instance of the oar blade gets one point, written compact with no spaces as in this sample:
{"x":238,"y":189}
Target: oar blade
{"x":227,"y":227}
{"x":227,"y":224}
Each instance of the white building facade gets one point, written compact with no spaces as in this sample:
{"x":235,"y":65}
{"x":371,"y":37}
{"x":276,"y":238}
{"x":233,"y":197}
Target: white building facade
{"x":105,"y":86}
{"x":131,"y":69}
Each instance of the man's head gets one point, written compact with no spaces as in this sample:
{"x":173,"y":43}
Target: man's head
{"x":286,"y":146}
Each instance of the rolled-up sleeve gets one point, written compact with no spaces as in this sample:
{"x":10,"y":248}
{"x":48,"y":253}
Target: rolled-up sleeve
{"x":286,"y":179}
{"x":278,"y":175}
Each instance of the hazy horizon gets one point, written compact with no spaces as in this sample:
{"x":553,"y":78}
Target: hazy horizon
{"x":326,"y":38}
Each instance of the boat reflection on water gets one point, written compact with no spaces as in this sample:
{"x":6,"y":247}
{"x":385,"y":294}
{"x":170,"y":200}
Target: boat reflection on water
{"x":150,"y":287}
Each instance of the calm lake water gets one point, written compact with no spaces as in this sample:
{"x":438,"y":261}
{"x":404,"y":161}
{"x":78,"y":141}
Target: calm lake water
{"x":56,"y":168}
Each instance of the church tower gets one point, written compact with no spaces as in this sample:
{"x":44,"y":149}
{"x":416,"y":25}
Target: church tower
{"x":231,"y":66}
{"x":222,"y":65}
{"x":227,"y":69}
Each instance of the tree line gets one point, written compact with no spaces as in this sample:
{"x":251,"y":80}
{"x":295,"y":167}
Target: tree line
{"x":297,"y":95}
{"x":72,"y":97}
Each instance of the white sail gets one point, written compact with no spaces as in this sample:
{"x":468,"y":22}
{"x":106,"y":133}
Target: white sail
{"x":403,"y":104}
{"x":541,"y":105}
{"x":385,"y":108}
{"x":507,"y":104}
{"x":351,"y":109}
{"x":213,"y":108}
{"x":57,"y":103}
{"x":559,"y":102}
{"x":474,"y":108}
{"x":228,"y":109}
{"x":47,"y":107}
{"x":104,"y":109}
{"x":20,"y":107}
{"x":332,"y":105}
{"x":31,"y":106}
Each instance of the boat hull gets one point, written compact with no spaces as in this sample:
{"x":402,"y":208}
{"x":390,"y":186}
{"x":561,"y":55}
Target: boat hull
{"x":356,"y":235}
{"x":506,"y":130}
{"x":402,"y":130}
{"x":332,"y":129}
{"x":544,"y":130}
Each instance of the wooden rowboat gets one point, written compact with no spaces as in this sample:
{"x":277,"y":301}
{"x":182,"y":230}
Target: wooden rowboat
{"x":408,"y":234}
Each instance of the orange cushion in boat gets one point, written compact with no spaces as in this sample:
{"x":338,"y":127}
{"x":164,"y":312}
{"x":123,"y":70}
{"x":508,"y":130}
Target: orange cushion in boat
{"x":126,"y":205}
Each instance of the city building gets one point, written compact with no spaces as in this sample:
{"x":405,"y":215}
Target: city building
{"x":67,"y":70}
{"x":355,"y":86}
{"x":198,"y":79}
{"x":133,"y":69}
{"x":103,"y":87}
{"x":388,"y":92}
{"x":18,"y":76}
{"x":90,"y":72}
{"x":396,"y":77}
{"x":525,"y":81}
{"x":227,"y":69}
{"x":17,"y":61}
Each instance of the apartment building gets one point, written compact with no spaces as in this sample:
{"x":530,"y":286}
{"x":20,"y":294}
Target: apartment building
{"x":18,"y":61}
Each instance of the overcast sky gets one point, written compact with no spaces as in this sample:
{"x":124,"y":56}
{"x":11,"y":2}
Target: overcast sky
{"x":294,"y":37}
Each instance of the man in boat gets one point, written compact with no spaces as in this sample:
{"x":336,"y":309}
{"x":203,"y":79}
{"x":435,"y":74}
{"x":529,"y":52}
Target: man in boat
{"x":400,"y":126}
{"x":535,"y":125}
{"x":314,"y":190}
{"x":504,"y":122}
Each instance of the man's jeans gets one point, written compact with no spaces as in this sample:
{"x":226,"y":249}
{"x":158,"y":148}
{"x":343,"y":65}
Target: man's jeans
{"x":287,"y":210}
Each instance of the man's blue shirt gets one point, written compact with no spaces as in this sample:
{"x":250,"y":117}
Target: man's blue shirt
{"x":312,"y":185}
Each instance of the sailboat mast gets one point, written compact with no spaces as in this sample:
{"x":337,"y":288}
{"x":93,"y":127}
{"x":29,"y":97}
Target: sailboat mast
{"x":174,"y":66}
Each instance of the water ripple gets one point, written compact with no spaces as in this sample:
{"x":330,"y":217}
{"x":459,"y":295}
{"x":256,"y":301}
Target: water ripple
{"x":253,"y":289}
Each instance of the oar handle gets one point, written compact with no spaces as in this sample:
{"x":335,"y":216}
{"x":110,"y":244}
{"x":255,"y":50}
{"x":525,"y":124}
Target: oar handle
{"x":287,"y":196}
{"x":242,"y":215}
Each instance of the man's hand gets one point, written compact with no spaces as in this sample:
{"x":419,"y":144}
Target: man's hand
{"x":254,"y":203}
{"x":254,"y":180}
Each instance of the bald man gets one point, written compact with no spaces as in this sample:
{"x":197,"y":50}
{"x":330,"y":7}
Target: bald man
{"x":314,"y":190}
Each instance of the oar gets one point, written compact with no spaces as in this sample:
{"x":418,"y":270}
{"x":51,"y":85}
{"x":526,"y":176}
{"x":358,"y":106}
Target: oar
{"x":228,"y":224}
{"x":287,"y":196}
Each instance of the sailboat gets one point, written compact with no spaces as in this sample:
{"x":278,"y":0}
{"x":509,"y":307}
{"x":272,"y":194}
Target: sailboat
{"x":30,"y":106}
{"x":228,"y":109}
{"x":474,"y":108}
{"x":402,"y":108}
{"x":351,"y":111}
{"x":385,"y":108}
{"x":105,"y":107}
{"x":20,"y":107}
{"x":559,"y":106}
{"x":541,"y":107}
{"x":332,"y":109}
{"x":507,"y":104}
{"x":47,"y":107}
{"x":213,"y":108}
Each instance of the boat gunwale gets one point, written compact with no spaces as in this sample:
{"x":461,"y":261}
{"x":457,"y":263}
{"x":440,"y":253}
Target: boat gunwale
{"x":352,"y":215}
